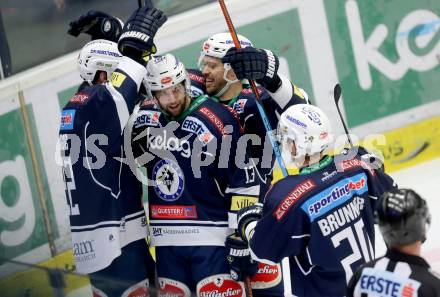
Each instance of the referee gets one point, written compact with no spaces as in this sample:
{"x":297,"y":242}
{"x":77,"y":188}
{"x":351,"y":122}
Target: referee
{"x":403,"y":221}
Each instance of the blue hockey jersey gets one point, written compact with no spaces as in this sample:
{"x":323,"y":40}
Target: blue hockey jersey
{"x":322,"y":219}
{"x":195,"y":184}
{"x":245,"y":104}
{"x":104,"y":196}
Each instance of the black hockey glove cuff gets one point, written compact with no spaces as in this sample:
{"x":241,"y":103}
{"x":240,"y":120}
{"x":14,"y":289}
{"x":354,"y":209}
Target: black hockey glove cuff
{"x":136,"y":40}
{"x":255,"y":64}
{"x":246,"y":216}
{"x":240,"y":262}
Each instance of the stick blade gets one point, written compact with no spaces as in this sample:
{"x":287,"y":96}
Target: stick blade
{"x":337,"y":92}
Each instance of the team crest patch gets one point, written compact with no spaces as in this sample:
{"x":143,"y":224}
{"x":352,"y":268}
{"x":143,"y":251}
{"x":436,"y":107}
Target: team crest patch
{"x":168,"y":180}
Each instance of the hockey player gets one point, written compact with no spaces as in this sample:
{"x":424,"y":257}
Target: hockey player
{"x":107,"y":219}
{"x":403,"y":221}
{"x":225,"y":68}
{"x":322,"y":219}
{"x":189,"y":147}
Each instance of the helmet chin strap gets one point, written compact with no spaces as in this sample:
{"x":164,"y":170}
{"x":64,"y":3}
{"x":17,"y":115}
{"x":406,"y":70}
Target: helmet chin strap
{"x":229,"y":82}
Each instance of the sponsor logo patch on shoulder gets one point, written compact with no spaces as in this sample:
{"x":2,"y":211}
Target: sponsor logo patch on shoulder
{"x":239,"y":105}
{"x":117,"y":79}
{"x":290,"y":200}
{"x":196,"y":126}
{"x":213,"y":118}
{"x":80,"y":98}
{"x":147,"y":118}
{"x":67,"y":119}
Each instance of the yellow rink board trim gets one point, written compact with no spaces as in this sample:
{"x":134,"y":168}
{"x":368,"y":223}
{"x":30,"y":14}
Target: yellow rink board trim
{"x":405,"y":147}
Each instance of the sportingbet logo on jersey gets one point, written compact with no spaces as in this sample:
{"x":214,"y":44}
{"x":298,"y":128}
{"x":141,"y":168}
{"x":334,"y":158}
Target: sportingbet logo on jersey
{"x":67,"y":118}
{"x":194,"y":125}
{"x":335,"y":195}
{"x":385,"y":283}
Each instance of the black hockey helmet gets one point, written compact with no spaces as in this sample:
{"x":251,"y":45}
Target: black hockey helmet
{"x":403,"y":217}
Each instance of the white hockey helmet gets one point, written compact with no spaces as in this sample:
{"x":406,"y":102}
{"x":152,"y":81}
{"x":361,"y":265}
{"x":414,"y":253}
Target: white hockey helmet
{"x":164,"y":72}
{"x":97,"y":55}
{"x":216,"y":46}
{"x":308,"y":127}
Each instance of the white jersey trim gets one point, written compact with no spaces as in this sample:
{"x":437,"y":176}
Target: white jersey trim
{"x":254,"y":190}
{"x":134,"y":70}
{"x":188,"y":235}
{"x":283,"y":95}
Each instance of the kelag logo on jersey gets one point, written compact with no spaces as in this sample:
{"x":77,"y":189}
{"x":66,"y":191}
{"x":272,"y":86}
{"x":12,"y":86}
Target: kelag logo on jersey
{"x":385,"y":283}
{"x":67,"y":118}
{"x":147,"y":118}
{"x":335,"y":195}
{"x":194,"y":125}
{"x":168,"y":180}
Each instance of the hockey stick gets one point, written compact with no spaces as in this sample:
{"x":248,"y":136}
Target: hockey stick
{"x":263,"y":115}
{"x":337,"y":91}
{"x":141,"y":3}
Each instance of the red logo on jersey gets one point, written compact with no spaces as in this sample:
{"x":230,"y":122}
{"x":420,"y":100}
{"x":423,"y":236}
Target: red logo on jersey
{"x":292,"y":198}
{"x":80,"y":98}
{"x":219,"y":286}
{"x":213,"y":118}
{"x":173,"y":212}
{"x":172,"y":288}
{"x":197,"y":78}
{"x":250,"y":91}
{"x":148,"y":102}
{"x":354,"y":163}
{"x":267,"y":276}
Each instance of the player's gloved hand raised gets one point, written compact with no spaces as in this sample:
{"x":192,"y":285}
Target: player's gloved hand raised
{"x":98,"y":25}
{"x":137,"y":36}
{"x":247,"y":215}
{"x":255,"y":64}
{"x":240,"y":262}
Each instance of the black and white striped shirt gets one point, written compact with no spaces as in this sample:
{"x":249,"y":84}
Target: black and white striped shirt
{"x":395,"y":274}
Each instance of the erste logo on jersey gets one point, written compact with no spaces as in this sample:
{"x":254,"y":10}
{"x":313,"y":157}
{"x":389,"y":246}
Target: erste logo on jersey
{"x":385,"y":283}
{"x":239,"y":105}
{"x":335,"y":195}
{"x":219,"y":285}
{"x":147,"y":118}
{"x":168,"y":180}
{"x":194,"y":125}
{"x":67,"y":118}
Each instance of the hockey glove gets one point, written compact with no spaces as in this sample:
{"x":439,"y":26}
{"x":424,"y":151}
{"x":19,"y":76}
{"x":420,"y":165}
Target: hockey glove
{"x":136,"y":41}
{"x":247,"y":215}
{"x":255,"y":64}
{"x":98,"y":25}
{"x":239,"y":259}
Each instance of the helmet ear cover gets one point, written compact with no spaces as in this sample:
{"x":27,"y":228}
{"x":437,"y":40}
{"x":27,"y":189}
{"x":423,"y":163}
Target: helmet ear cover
{"x":403,"y":217}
